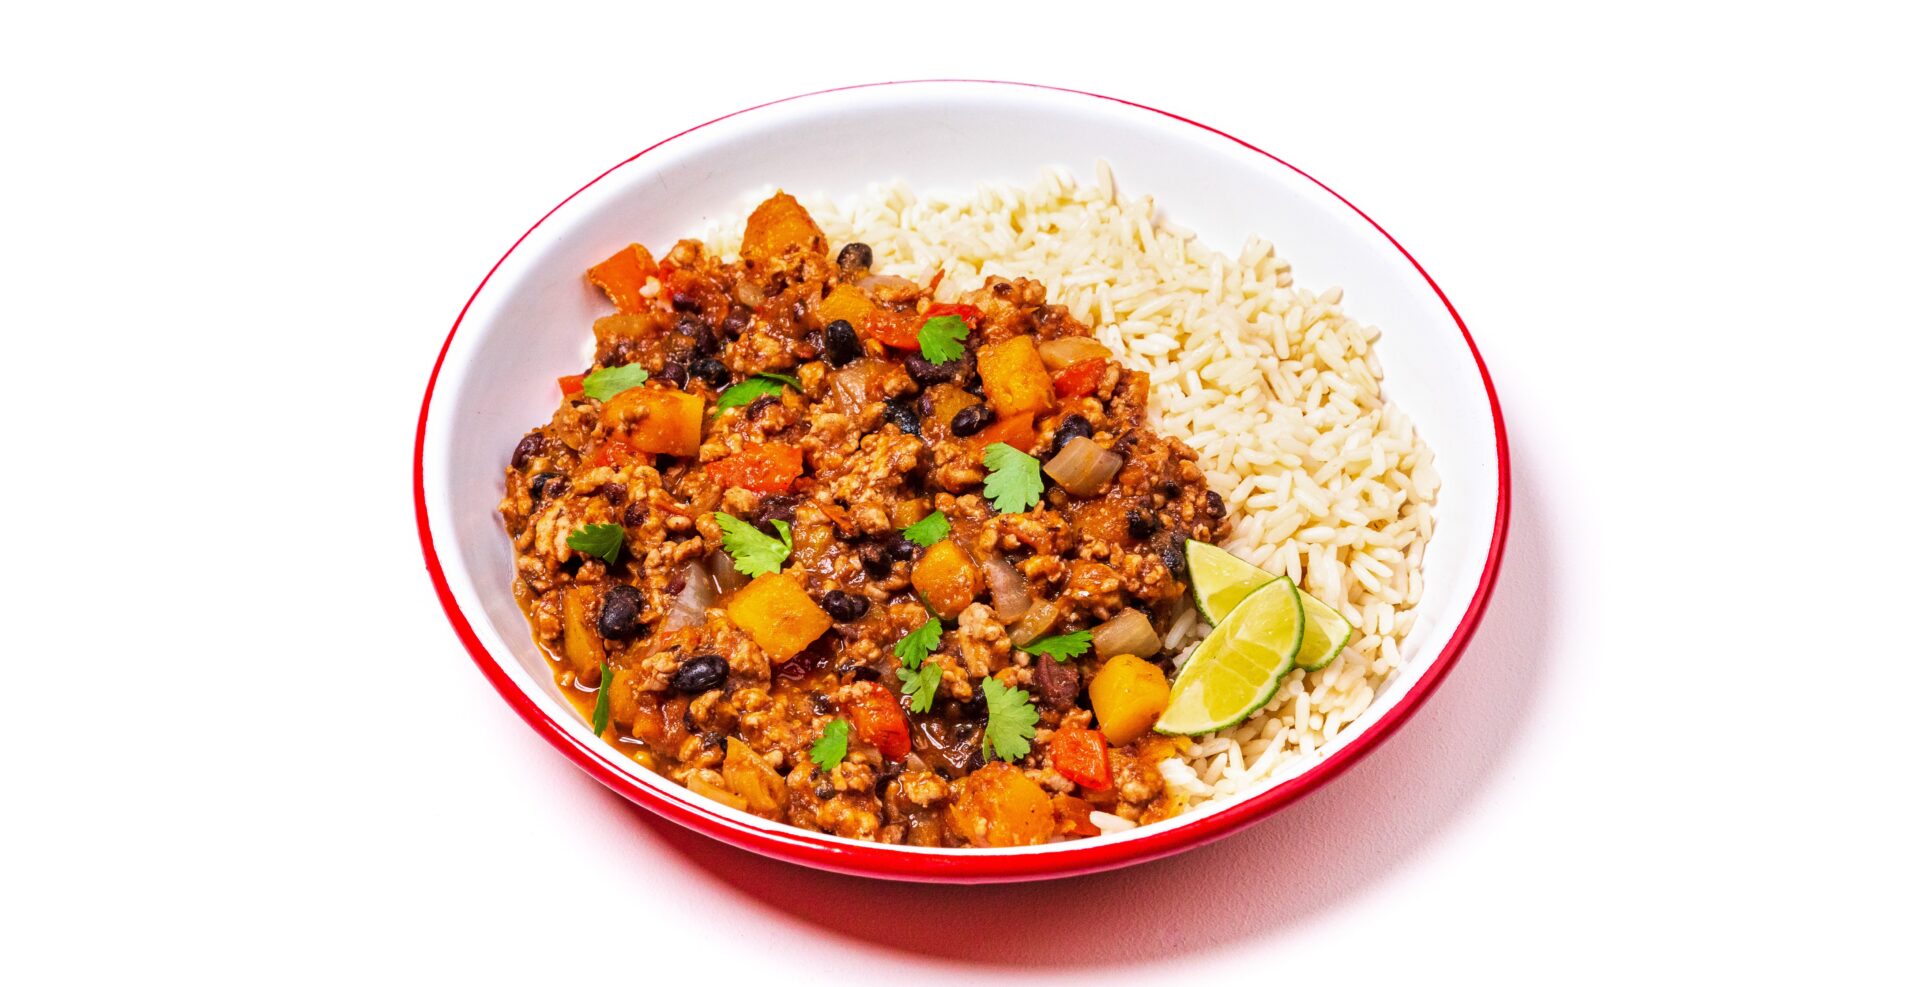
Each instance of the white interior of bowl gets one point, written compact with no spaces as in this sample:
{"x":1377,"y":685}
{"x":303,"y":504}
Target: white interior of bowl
{"x":531,"y":322}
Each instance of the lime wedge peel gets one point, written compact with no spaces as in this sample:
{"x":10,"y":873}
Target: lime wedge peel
{"x":1238,"y":668}
{"x":1221,"y":580}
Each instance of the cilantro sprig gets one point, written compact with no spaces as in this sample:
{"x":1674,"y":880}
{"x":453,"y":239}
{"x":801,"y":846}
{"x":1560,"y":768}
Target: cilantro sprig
{"x":921,"y":684}
{"x":940,"y":338}
{"x":1010,"y":721}
{"x":754,"y":552}
{"x":916,"y":646}
{"x":604,"y":383}
{"x":603,"y":701}
{"x":1013,"y":479}
{"x":753,"y":388}
{"x":927,"y":531}
{"x":831,"y":748}
{"x":919,"y":678}
{"x":1060,"y":647}
{"x":601,"y":540}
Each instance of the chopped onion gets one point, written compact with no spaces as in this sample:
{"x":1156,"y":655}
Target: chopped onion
{"x":1083,"y":467}
{"x":1131,"y":633}
{"x":725,"y":575}
{"x":1059,"y":354}
{"x":1010,"y":597}
{"x":872,"y":281}
{"x":702,"y":786}
{"x":1035,"y":624}
{"x":696,"y":595}
{"x":747,"y":293}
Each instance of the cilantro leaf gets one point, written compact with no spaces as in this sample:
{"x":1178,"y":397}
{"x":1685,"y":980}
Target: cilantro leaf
{"x":915,"y":647}
{"x":1060,"y":647}
{"x":928,"y":530}
{"x":603,"y":701}
{"x":1013,"y":479}
{"x":1010,"y":721}
{"x":604,"y":383}
{"x":921,"y":684}
{"x":754,"y":552}
{"x":940,"y":338}
{"x":753,"y":388}
{"x":787,"y":379}
{"x":602,"y":540}
{"x":831,"y":748}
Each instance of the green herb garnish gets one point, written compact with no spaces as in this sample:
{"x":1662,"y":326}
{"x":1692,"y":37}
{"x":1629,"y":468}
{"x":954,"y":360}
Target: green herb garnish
{"x":921,"y":684}
{"x":601,"y":540}
{"x":1013,"y":479}
{"x":1060,"y":647}
{"x":604,"y":383}
{"x":940,"y":338}
{"x":754,"y":387}
{"x":831,"y":748}
{"x":1010,"y":721}
{"x":915,"y":647}
{"x":603,"y":701}
{"x":928,"y":530}
{"x":754,"y":552}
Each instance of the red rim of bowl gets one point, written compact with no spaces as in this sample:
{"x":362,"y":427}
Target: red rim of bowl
{"x":880,"y":860}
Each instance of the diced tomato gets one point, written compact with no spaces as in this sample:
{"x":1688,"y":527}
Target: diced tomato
{"x":613,"y":452}
{"x":900,"y":330}
{"x":967,"y":313}
{"x":1016,"y":431}
{"x":1079,"y":379}
{"x":573,"y":384}
{"x":878,"y":720}
{"x":623,"y":275}
{"x":1080,"y":755}
{"x":770,"y":468}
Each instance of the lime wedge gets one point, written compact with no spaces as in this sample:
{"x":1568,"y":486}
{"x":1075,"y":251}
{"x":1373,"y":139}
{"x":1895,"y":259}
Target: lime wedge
{"x":1221,"y":579}
{"x":1327,"y":632}
{"x":1237,"y":669}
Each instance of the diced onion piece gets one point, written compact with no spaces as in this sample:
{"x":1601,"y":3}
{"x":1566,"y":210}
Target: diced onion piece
{"x":1010,"y":597}
{"x":1083,"y":467}
{"x":1059,"y":354}
{"x":701,"y":786}
{"x":1130,"y":633}
{"x":872,"y":281}
{"x":725,"y":575}
{"x":690,"y":607}
{"x":1035,"y":624}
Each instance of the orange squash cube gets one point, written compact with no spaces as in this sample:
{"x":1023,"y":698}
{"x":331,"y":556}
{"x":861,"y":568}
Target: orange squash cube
{"x":947,"y":578}
{"x":777,"y":613}
{"x":1015,"y":378}
{"x":623,"y":275}
{"x":780,"y":225}
{"x":659,"y":420}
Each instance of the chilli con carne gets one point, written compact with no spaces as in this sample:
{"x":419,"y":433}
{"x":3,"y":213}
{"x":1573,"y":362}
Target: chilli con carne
{"x":851,"y":559}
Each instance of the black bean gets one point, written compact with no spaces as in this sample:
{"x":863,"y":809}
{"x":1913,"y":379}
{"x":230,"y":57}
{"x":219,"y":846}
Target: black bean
{"x":683,"y":302}
{"x":822,"y":704}
{"x":1070,"y":428}
{"x":546,"y":486}
{"x":736,"y":321}
{"x":843,"y":345}
{"x":674,"y":372}
{"x":854,"y":258}
{"x":615,"y":493}
{"x":971,"y":419}
{"x":1215,"y":505}
{"x":1175,"y":560}
{"x":699,"y":674}
{"x":1055,"y":682}
{"x":712,"y":371}
{"x":901,"y":413}
{"x":1142,"y":524}
{"x":774,"y":507}
{"x":823,"y":792}
{"x":760,"y":404}
{"x":1170,"y":490}
{"x":534,"y":444}
{"x":696,"y":329}
{"x":620,"y":612}
{"x":927,"y":373}
{"x":876,"y":560}
{"x":900,"y":549}
{"x":635,"y":516}
{"x":844,"y":607}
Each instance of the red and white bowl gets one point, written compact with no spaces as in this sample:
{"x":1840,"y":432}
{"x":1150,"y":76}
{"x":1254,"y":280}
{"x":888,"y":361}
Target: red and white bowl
{"x":527,"y":324}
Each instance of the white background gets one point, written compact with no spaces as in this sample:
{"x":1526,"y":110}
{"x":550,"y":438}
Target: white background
{"x":241,"y":744}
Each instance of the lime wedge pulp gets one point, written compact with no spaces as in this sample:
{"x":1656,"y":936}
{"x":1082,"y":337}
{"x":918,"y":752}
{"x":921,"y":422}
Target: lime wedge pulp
{"x":1221,"y":580}
{"x":1237,"y":669}
{"x":1327,"y":632}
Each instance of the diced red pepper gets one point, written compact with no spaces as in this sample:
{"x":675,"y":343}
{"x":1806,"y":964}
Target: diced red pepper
{"x":613,"y":452}
{"x":1079,"y":379}
{"x":1080,"y":755}
{"x":767,"y":468}
{"x":623,"y":275}
{"x":1016,"y":431}
{"x":967,"y":313}
{"x":573,"y":384}
{"x":878,"y":720}
{"x":900,"y":330}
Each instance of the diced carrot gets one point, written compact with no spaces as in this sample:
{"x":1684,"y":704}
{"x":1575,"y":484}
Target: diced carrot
{"x":878,"y":720}
{"x":1080,"y":755}
{"x":623,"y":275}
{"x":769,"y":468}
{"x":1079,"y":379}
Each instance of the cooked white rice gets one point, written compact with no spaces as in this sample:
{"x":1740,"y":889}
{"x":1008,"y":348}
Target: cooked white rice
{"x":1277,"y":390}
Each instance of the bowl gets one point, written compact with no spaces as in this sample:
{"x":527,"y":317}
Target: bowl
{"x":527,"y":322}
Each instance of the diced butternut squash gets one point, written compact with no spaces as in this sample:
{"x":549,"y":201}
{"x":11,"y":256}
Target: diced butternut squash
{"x":1128,"y":694}
{"x":1015,"y":378}
{"x":657,"y":419}
{"x":780,"y":225}
{"x":777,"y":613}
{"x":623,"y":697}
{"x":753,"y":779}
{"x":947,"y":578}
{"x":612,"y":332}
{"x":1000,"y":806}
{"x":580,"y":640}
{"x":846,"y":302}
{"x":623,"y":275}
